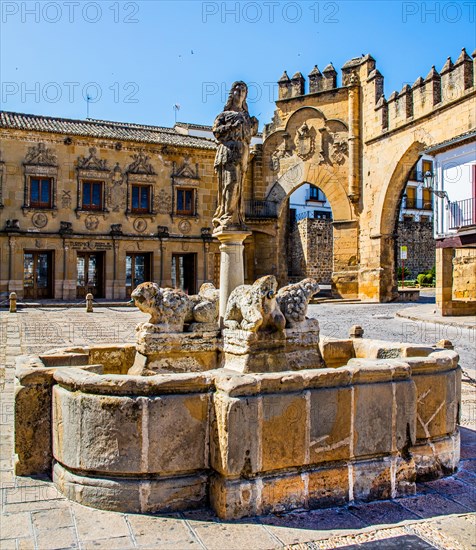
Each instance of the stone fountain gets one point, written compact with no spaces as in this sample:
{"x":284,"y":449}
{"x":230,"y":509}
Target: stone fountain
{"x":259,"y":417}
{"x":231,"y":399}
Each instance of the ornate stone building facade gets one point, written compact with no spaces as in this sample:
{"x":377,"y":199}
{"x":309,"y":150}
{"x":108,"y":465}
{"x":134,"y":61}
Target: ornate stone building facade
{"x":92,"y":206}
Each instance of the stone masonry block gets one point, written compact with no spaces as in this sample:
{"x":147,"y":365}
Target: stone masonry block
{"x":405,"y":411}
{"x":405,"y":476}
{"x":373,"y":419}
{"x":283,"y":431}
{"x":98,"y":432}
{"x":436,"y":458}
{"x":328,"y":487}
{"x":337,"y":353}
{"x":177,"y":433}
{"x":330,"y":425}
{"x":283,"y":493}
{"x":33,"y":428}
{"x":372,"y":479}
{"x":234,"y":447}
{"x":133,"y":495}
{"x":235,"y":498}
{"x":437,"y":404}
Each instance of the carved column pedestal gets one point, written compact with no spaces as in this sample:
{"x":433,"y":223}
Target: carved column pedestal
{"x":231,"y":263}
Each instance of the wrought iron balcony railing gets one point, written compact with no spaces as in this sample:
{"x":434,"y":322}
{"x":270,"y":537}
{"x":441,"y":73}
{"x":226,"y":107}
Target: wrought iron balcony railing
{"x":261,"y":209}
{"x":462,"y":213}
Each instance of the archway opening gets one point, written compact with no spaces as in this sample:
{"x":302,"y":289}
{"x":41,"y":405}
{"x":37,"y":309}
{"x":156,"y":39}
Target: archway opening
{"x":388,"y":211}
{"x":414,"y":239}
{"x":309,"y":243}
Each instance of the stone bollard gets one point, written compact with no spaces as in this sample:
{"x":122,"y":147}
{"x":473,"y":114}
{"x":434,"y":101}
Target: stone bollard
{"x":13,"y":302}
{"x":89,"y":303}
{"x":445,"y":344}
{"x":356,"y":331}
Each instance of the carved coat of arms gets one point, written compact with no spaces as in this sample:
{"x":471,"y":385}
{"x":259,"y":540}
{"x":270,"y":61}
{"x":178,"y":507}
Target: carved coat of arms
{"x":305,"y":142}
{"x":340,"y":148}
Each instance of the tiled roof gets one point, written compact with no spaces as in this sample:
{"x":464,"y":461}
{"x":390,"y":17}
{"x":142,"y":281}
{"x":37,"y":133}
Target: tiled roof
{"x":193,"y":126}
{"x":103,"y":129}
{"x":453,"y":142}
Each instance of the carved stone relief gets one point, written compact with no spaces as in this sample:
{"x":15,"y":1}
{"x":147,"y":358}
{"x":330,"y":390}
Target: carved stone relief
{"x":39,"y":220}
{"x":339,"y":147}
{"x":163,"y":202}
{"x":185,"y":227}
{"x":305,"y":141}
{"x":91,"y":222}
{"x":140,"y":164}
{"x":92,"y":162}
{"x":66,"y":199}
{"x":140,"y":225}
{"x":40,"y":155}
{"x":186,"y":170}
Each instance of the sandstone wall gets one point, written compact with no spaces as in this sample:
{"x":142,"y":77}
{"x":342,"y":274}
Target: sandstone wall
{"x":464,"y":274}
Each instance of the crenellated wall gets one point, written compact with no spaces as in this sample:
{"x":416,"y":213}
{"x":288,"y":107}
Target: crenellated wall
{"x":364,"y":170}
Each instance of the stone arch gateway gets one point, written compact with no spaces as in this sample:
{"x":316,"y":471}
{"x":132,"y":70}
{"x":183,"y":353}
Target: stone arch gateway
{"x":358,"y":147}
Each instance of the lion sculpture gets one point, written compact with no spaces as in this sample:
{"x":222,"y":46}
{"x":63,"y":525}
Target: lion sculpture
{"x":253,"y":307}
{"x":171,"y":308}
{"x":293,"y":300}
{"x":203,"y":306}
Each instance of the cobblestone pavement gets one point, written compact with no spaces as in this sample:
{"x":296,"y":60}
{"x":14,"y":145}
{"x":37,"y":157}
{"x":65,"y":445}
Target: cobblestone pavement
{"x":380,"y":321}
{"x":34,"y":515}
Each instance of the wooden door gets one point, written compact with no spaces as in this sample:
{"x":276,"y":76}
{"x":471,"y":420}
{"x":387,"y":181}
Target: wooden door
{"x":38,"y":275}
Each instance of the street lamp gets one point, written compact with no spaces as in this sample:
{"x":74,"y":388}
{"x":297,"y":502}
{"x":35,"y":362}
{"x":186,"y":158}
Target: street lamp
{"x":429,"y":183}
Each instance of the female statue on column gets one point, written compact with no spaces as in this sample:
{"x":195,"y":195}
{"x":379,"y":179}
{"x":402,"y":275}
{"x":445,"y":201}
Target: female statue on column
{"x":233,"y":128}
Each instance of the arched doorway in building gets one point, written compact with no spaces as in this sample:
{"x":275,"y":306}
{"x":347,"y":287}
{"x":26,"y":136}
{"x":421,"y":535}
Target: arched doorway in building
{"x":392,"y":200}
{"x":345,"y":227}
{"x":309,"y":245}
{"x":415,"y":245}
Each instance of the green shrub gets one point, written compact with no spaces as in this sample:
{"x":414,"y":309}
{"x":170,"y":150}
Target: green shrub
{"x":426,"y":279}
{"x":399,"y":273}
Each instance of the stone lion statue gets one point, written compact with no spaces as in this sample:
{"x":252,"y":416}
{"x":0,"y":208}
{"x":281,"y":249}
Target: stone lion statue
{"x":171,"y":308}
{"x":294,"y":299}
{"x":168,"y":307}
{"x":254,"y":308}
{"x":203,"y":306}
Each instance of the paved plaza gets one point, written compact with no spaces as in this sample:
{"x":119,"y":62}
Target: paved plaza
{"x":34,"y":515}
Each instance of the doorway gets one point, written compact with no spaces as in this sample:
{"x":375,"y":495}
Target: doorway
{"x":184,"y":272}
{"x":38,"y":275}
{"x":137,"y":271}
{"x":90,"y":274}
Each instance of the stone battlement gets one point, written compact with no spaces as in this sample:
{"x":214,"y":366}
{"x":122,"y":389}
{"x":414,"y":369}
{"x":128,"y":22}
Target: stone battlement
{"x":413,"y":101}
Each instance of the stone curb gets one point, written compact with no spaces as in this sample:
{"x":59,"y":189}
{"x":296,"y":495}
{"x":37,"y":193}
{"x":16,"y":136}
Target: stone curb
{"x":413,"y":315}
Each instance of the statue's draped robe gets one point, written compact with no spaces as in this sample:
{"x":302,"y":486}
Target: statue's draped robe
{"x":233,"y":130}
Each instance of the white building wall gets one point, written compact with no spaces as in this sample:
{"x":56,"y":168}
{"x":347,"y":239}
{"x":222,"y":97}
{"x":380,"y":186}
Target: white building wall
{"x":453,"y":175}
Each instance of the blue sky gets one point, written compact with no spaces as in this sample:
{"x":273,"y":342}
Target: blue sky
{"x":136,"y":59}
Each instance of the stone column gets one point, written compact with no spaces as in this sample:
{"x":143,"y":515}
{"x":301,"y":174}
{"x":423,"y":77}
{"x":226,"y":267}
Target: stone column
{"x":231,"y":264}
{"x":353,"y":190}
{"x":444,"y":280}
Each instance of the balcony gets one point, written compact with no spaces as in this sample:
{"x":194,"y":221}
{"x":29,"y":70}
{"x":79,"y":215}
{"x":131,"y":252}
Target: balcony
{"x":261,"y":210}
{"x":312,"y":215}
{"x":462,"y":213}
{"x":417,"y":204}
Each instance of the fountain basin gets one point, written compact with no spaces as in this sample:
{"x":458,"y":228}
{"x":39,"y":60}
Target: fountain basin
{"x":246,"y":444}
